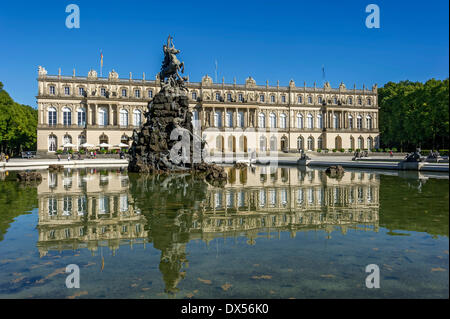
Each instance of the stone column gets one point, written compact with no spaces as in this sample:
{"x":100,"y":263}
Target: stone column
{"x":110,"y":117}
{"x":95,"y":117}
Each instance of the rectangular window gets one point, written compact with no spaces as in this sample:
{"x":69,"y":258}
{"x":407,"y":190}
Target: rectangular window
{"x":103,"y":92}
{"x":229,"y":97}
{"x":81,"y":118}
{"x":240,"y":97}
{"x":67,"y":118}
{"x":137,"y":93}
{"x":52,"y":90}
{"x":299,"y":99}
{"x":217,"y":96}
{"x":194,"y":96}
{"x":124,"y":93}
{"x":81,"y":91}
{"x":52,"y":118}
{"x":67,"y":90}
{"x":261,"y":98}
{"x":272,"y":98}
{"x":150,"y":93}
{"x":309,"y":100}
{"x":283,"y":99}
{"x":319,"y":100}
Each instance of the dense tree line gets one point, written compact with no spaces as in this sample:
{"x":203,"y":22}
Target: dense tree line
{"x":414,"y":114}
{"x":18,"y":125}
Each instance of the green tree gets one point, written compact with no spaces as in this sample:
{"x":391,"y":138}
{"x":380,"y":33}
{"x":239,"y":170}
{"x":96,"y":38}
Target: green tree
{"x":414,"y":114}
{"x":18,"y":125}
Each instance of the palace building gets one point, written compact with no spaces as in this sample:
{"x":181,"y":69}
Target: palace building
{"x":102,"y":112}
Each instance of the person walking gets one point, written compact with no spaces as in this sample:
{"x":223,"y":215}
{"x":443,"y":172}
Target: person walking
{"x":7,"y":158}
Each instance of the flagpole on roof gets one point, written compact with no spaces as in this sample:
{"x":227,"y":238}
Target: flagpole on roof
{"x":101,"y":63}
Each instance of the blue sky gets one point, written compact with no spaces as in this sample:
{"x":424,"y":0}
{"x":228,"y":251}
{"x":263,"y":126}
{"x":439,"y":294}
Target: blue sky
{"x":268,"y":40}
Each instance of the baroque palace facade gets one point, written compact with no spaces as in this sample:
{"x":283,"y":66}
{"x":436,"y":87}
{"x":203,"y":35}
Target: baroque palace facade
{"x":233,"y":118}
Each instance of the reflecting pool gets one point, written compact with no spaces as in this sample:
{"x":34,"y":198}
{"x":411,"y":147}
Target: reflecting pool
{"x":269,"y":233}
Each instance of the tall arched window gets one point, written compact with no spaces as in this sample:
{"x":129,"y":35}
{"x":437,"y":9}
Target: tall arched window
{"x":67,"y":116}
{"x":359,"y":122}
{"x":137,"y":118}
{"x":369,"y":143}
{"x":283,"y":120}
{"x":300,"y":143}
{"x":310,"y":121}
{"x":273,"y":120}
{"x":320,"y":143}
{"x":350,"y":121}
{"x":52,"y":116}
{"x":262,"y":120}
{"x":123,"y":120}
{"x":218,"y":119}
{"x":299,"y":121}
{"x":102,"y":116}
{"x":319,"y":121}
{"x":229,"y":119}
{"x":360,"y":143}
{"x":335,"y":121}
{"x":310,"y":143}
{"x":81,"y":139}
{"x":369,"y":122}
{"x":262,"y":143}
{"x":219,"y":143}
{"x":273,"y":143}
{"x":52,"y":143}
{"x":81,"y":117}
{"x":195,"y":119}
{"x":240,"y":119}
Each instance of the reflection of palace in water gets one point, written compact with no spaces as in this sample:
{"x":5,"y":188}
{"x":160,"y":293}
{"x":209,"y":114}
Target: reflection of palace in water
{"x":86,"y":209}
{"x":289,"y":199}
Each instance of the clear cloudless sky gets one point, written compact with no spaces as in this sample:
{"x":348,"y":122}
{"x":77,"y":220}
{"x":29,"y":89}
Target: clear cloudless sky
{"x":268,"y":40}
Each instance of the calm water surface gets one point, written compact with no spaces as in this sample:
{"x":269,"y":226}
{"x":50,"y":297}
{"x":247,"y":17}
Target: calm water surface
{"x":269,"y":233}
